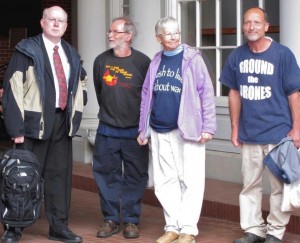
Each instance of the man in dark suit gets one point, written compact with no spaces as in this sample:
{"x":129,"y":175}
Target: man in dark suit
{"x":43,"y":103}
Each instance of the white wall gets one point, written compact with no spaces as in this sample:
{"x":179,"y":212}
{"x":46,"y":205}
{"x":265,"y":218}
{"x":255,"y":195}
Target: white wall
{"x":289,"y":25}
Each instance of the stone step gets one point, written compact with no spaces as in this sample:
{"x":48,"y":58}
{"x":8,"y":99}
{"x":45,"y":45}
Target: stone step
{"x":220,"y":197}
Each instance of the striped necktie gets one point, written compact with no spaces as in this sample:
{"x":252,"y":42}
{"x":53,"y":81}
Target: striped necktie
{"x":59,"y":70}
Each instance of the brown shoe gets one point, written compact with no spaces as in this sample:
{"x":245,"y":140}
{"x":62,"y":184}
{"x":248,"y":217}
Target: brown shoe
{"x":107,"y":229}
{"x":131,"y":231}
{"x":185,"y":238}
{"x":168,"y":237}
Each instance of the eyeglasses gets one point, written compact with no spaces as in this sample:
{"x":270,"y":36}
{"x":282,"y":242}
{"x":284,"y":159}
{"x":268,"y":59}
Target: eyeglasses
{"x":169,"y":36}
{"x":115,"y":32}
{"x":54,"y":20}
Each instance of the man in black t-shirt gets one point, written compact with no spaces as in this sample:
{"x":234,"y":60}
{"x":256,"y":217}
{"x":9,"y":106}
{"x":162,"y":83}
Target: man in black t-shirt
{"x":120,"y":164}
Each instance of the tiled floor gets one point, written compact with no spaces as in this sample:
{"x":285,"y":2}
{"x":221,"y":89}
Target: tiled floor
{"x":85,"y":218}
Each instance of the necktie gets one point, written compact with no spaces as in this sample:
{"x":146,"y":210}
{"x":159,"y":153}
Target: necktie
{"x":59,"y":70}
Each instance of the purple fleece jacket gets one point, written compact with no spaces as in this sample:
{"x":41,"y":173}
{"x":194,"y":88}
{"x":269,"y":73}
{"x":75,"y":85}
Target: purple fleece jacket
{"x":197,"y":112}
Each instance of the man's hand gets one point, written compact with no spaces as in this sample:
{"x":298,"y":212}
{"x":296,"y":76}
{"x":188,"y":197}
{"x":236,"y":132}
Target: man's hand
{"x":18,"y":139}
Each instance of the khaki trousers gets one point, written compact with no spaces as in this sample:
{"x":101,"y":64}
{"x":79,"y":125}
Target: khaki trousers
{"x":251,"y":196}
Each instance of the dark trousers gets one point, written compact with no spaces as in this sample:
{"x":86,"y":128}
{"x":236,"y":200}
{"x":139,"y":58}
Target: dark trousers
{"x":120,"y":168}
{"x":55,"y":157}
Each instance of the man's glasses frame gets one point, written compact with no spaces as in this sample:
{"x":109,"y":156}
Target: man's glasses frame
{"x":115,"y":32}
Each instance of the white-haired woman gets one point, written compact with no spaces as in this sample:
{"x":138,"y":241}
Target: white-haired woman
{"x":178,"y":113}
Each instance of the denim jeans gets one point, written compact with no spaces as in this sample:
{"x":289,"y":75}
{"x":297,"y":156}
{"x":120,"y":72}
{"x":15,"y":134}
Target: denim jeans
{"x":120,"y":169}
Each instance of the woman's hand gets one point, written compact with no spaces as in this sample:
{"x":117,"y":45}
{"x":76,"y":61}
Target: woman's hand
{"x":205,"y":137}
{"x":141,"y":141}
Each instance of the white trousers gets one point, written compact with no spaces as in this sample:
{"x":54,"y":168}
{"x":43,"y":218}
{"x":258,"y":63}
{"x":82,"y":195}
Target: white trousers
{"x":251,"y":195}
{"x":179,"y":178}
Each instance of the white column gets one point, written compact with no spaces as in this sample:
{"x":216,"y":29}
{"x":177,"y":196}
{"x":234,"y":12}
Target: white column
{"x":171,"y":8}
{"x":91,"y":36}
{"x":145,"y":14}
{"x":115,"y":9}
{"x":289,"y":25}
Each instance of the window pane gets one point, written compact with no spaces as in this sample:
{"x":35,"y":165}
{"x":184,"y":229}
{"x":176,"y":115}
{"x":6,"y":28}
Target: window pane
{"x":272,"y":9}
{"x":209,"y":57}
{"x":208,"y":21}
{"x":126,"y":7}
{"x":188,"y":23}
{"x":225,"y":54}
{"x":228,"y":23}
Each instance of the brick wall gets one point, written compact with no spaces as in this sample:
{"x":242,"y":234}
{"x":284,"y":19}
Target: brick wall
{"x":6,"y":51}
{"x":5,"y":54}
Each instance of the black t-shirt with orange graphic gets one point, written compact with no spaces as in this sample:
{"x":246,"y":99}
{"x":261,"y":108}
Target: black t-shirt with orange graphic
{"x":118,"y":84}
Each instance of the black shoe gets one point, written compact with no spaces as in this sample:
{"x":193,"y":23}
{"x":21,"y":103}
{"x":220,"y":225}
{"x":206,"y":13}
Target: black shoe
{"x":10,"y":236}
{"x":272,"y":239}
{"x":250,"y":238}
{"x":131,"y":231}
{"x":65,"y":235}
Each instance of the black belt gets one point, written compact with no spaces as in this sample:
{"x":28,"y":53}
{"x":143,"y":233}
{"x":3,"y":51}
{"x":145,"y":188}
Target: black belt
{"x":58,"y":110}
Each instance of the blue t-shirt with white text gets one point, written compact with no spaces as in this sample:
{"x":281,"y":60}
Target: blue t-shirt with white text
{"x":264,"y":80}
{"x":167,"y":93}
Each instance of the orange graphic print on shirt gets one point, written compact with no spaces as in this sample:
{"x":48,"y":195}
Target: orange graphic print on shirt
{"x":115,"y":75}
{"x":109,"y":79}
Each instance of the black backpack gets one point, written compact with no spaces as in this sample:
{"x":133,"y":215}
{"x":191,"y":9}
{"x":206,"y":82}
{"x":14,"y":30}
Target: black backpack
{"x":21,"y":188}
